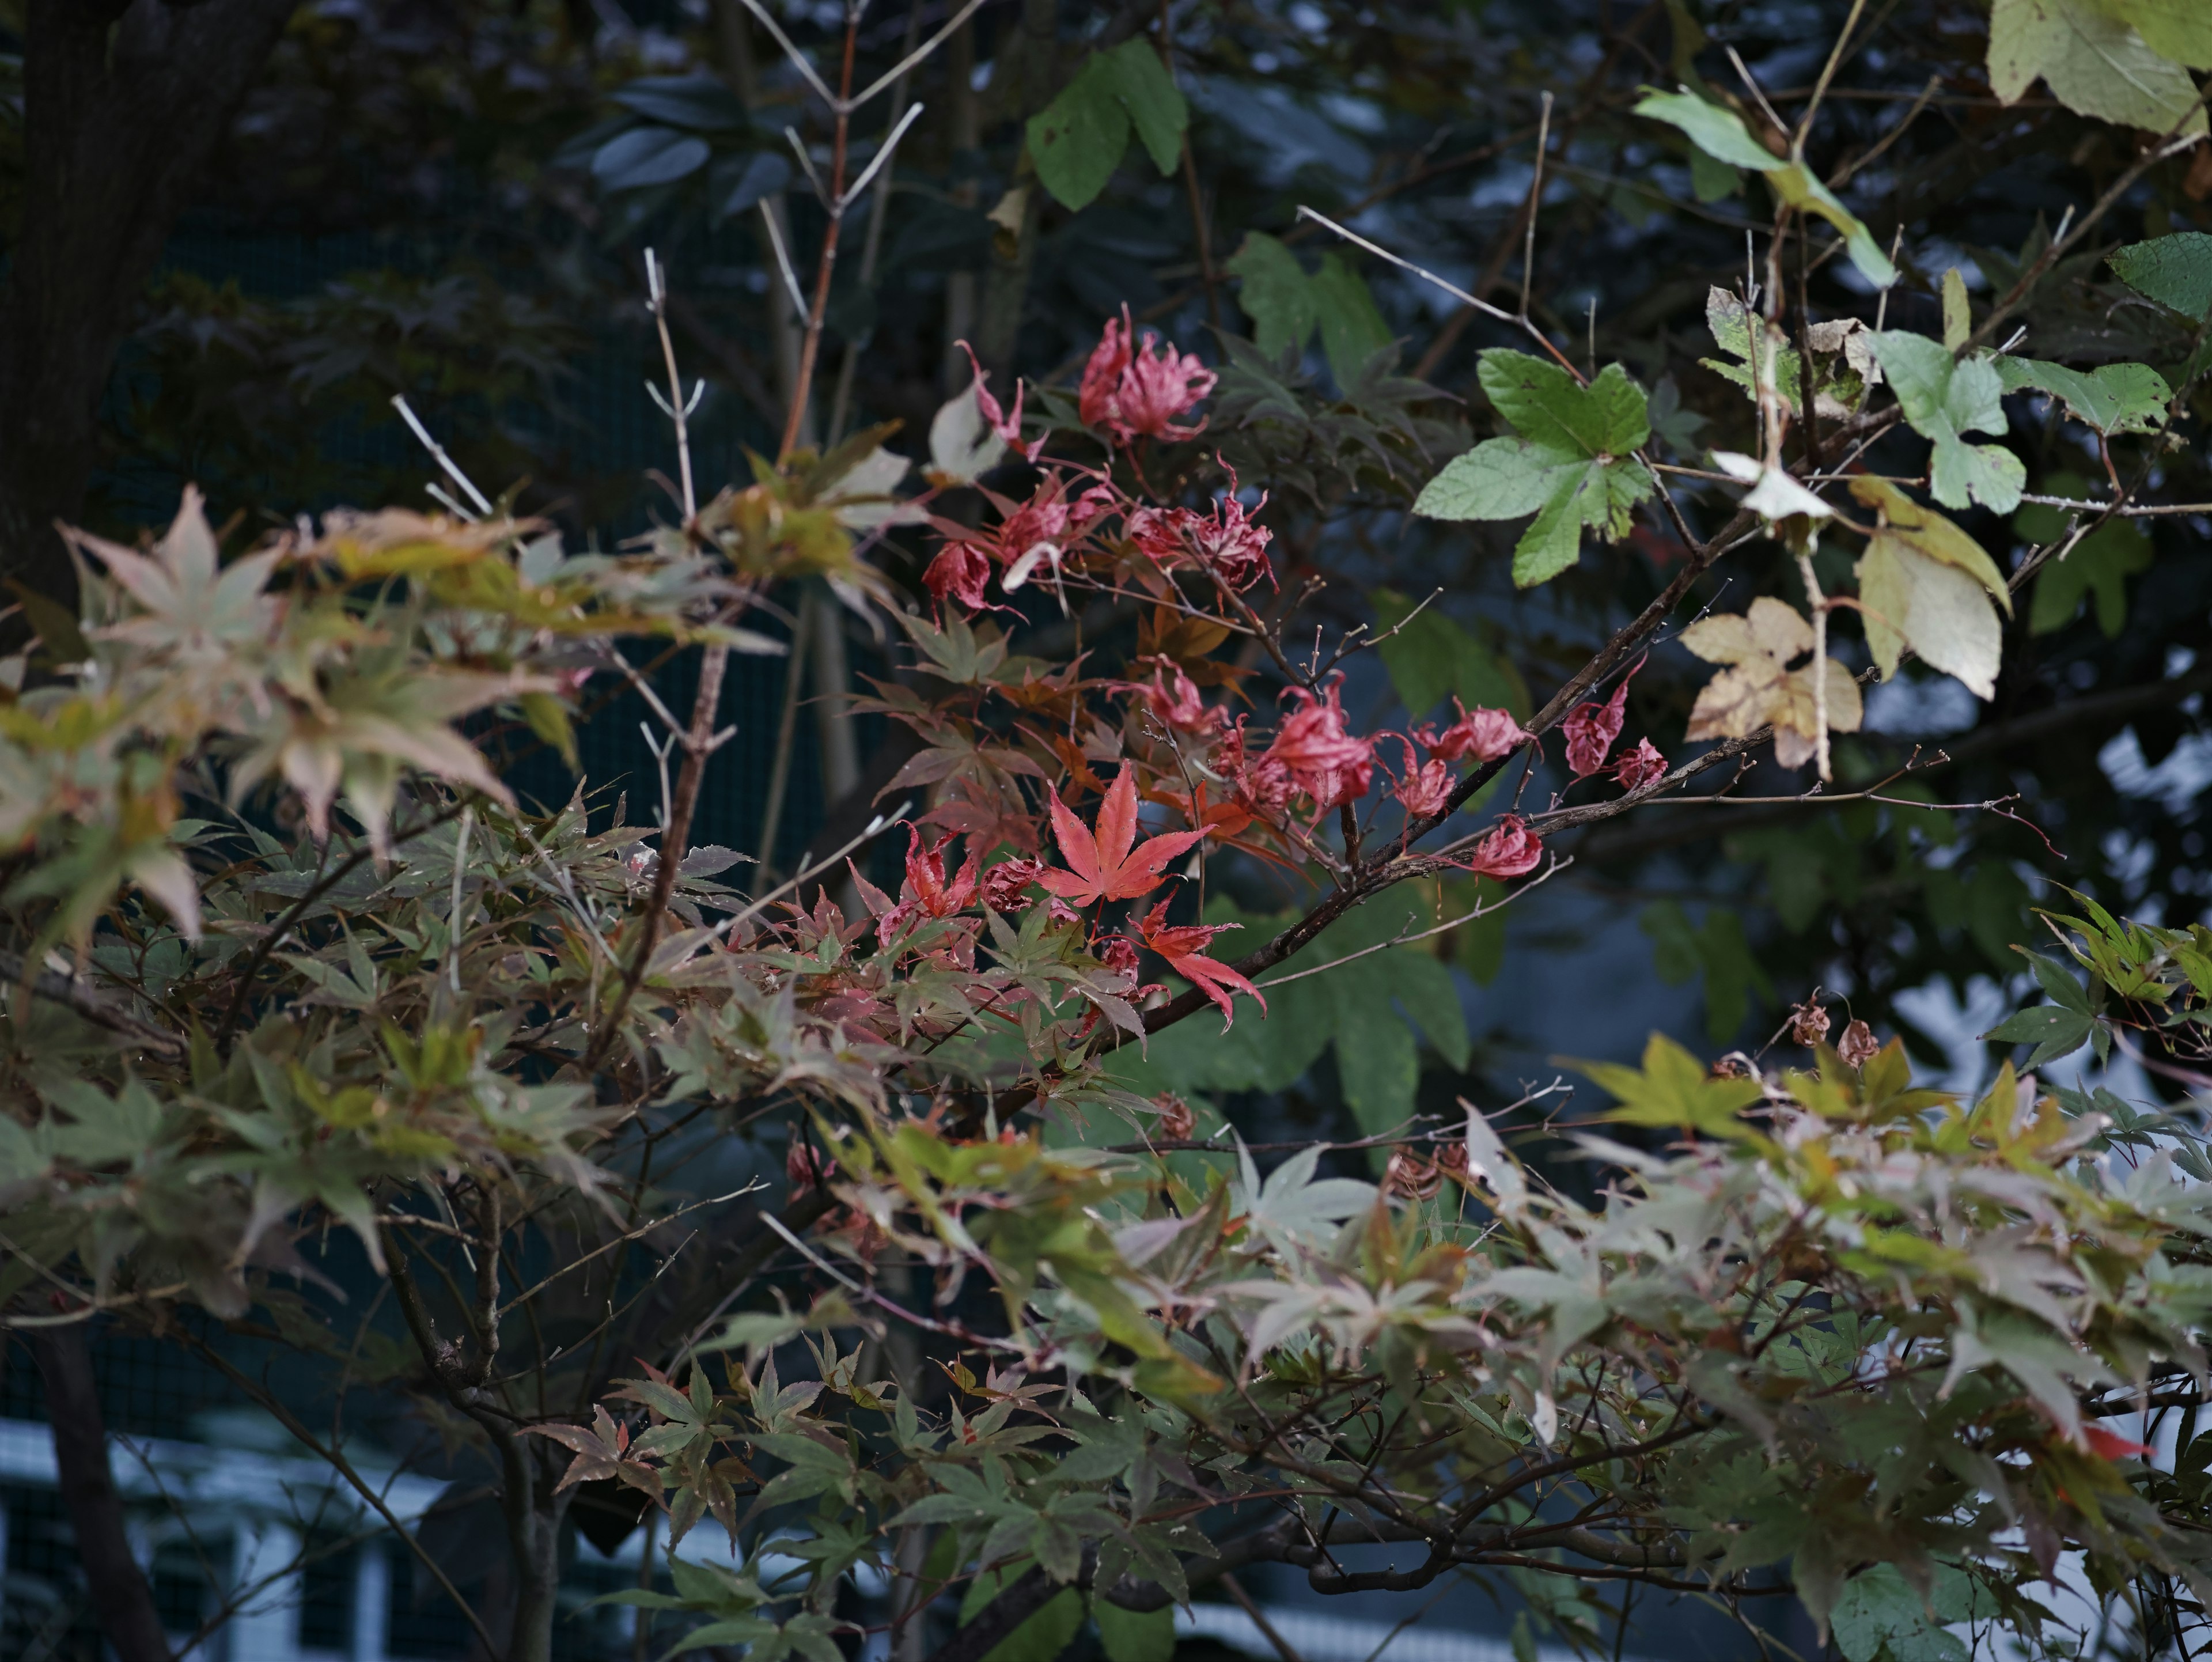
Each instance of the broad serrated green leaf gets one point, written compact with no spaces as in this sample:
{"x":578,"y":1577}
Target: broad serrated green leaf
{"x":1943,"y":397}
{"x":2093,"y":61}
{"x":1883,"y":1617}
{"x":1571,"y":467}
{"x":2174,"y":270}
{"x":1609,"y":417}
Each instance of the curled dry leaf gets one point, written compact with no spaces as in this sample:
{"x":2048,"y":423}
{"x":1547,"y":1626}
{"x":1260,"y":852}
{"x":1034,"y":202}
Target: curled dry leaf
{"x":1759,"y":688}
{"x":1858,"y":1045}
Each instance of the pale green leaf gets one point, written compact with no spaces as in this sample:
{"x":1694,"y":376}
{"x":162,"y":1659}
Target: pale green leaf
{"x":1943,"y":397}
{"x":1939,"y":610}
{"x":2179,"y":29}
{"x":2094,"y":62}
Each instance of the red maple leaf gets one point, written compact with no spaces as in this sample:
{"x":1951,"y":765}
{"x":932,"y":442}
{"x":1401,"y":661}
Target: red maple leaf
{"x":2110,"y":1445}
{"x":1179,"y":944}
{"x":1102,"y":866}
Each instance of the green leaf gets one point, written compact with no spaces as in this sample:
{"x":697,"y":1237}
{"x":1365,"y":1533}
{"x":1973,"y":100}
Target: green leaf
{"x":1944,"y":397}
{"x":1881,"y":1615}
{"x":1479,"y":948}
{"x":1429,"y":655}
{"x":1720,"y":133}
{"x":1276,"y":295}
{"x":1712,"y":180}
{"x":647,"y":155}
{"x":1076,"y":141}
{"x":1351,"y":326}
{"x":1571,"y":466}
{"x":2054,"y":1030}
{"x":2094,"y":62}
{"x":2179,"y":29}
{"x":2174,"y":270}
{"x":1046,"y":1633}
{"x":1157,"y":109}
{"x":55,"y":625}
{"x":1548,"y":407}
{"x":2116,"y":398}
{"x":1957,"y":314}
{"x":1135,"y":1635}
{"x":2099,"y":565}
{"x":1673,"y":1089}
{"x":1715,"y":949}
{"x":1728,"y":323}
{"x":1378,"y":1064}
{"x":2057,"y":980}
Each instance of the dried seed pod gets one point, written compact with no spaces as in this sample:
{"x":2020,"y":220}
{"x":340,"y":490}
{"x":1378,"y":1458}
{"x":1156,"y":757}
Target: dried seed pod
{"x":1411,"y":1177}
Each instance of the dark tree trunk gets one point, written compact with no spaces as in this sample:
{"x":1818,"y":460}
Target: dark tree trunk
{"x":122,"y":101}
{"x":119,"y":1588}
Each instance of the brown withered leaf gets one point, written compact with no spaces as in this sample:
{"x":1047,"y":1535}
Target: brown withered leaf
{"x":1759,"y":688}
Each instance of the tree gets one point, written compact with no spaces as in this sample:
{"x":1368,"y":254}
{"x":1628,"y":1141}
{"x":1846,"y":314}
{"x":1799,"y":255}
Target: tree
{"x":1823,"y":1333}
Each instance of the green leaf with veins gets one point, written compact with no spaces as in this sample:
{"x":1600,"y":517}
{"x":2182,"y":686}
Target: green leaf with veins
{"x":1571,"y":466}
{"x":1944,"y":397}
{"x":2174,"y":270}
{"x":1881,"y":1614}
{"x":2094,"y":62}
